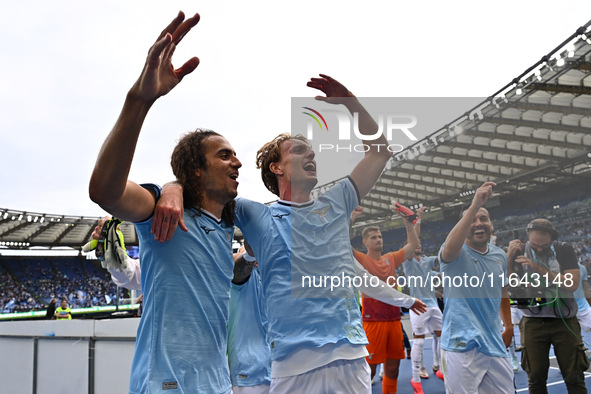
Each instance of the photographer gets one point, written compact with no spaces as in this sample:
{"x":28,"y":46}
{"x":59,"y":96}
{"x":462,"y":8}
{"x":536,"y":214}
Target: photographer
{"x":550,"y":269}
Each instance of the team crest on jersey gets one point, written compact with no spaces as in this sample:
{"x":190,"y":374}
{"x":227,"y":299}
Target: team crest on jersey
{"x":207,"y":230}
{"x":322,"y":212}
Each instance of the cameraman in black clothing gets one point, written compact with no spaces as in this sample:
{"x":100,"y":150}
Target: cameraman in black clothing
{"x":550,"y":269}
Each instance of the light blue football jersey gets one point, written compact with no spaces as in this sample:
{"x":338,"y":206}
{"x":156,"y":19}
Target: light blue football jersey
{"x":472,"y":295}
{"x":293,"y":242}
{"x":579,"y":294}
{"x":181,"y":337}
{"x":419,"y":279}
{"x":249,"y":352}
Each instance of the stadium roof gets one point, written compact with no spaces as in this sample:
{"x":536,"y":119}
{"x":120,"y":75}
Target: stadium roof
{"x":535,"y":130}
{"x":30,"y":230}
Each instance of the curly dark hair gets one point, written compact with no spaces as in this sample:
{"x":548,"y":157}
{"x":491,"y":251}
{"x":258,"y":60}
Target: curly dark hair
{"x":189,"y":156}
{"x":271,"y":153}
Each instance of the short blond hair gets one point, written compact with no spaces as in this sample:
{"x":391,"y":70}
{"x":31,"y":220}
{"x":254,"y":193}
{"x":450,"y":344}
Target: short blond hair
{"x":367,"y":230}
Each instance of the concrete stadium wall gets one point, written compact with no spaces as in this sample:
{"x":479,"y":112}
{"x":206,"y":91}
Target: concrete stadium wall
{"x":66,"y":357}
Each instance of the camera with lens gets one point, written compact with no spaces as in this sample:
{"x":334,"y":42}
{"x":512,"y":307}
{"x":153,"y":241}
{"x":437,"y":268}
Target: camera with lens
{"x":523,"y":294}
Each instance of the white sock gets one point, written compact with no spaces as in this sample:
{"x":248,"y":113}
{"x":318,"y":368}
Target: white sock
{"x":416,"y":354}
{"x":436,"y":350}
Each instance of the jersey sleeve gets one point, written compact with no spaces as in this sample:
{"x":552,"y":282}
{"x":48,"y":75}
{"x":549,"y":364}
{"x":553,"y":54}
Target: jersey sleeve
{"x":395,"y":258}
{"x":345,"y":194}
{"x":249,"y":219}
{"x":131,"y":276}
{"x":247,"y":213}
{"x":443,"y":263}
{"x":352,"y":195}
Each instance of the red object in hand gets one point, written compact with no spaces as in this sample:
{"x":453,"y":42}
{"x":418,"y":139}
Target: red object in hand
{"x":407,"y":212}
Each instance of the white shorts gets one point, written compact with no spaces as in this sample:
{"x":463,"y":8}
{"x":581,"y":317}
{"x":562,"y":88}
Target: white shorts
{"x":585,"y":319}
{"x":260,"y":389}
{"x":516,"y":315}
{"x":474,"y":372}
{"x":337,"y":377}
{"x":426,"y":322}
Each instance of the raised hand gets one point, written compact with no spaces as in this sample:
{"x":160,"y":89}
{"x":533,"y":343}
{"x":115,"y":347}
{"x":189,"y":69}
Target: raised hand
{"x":515,"y":247}
{"x":482,"y":194}
{"x":421,"y":210}
{"x":159,"y":76}
{"x":333,"y":89}
{"x":404,"y":212}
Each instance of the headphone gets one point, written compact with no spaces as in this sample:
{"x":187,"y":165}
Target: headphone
{"x":550,"y":230}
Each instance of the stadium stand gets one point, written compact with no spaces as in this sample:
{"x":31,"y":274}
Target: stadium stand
{"x":29,"y":284}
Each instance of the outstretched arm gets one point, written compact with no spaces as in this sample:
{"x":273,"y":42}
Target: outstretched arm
{"x":129,"y":277}
{"x":383,"y":292}
{"x":412,"y":242}
{"x":369,"y":169}
{"x":420,"y":212}
{"x":109,"y":186}
{"x":456,"y":237}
